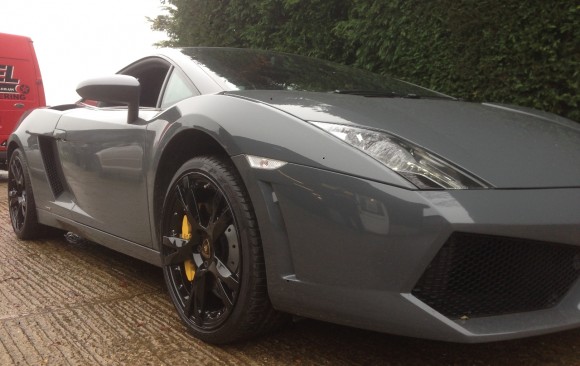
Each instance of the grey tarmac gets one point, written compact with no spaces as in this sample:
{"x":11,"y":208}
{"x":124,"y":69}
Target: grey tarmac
{"x":83,"y":304}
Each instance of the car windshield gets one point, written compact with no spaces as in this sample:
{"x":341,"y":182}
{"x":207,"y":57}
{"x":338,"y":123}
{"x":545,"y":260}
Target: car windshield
{"x":246,"y":69}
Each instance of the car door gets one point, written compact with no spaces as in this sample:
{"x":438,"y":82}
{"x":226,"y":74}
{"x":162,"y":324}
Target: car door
{"x":103,"y":161}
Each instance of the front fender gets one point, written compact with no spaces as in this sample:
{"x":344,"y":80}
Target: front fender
{"x":244,"y":126}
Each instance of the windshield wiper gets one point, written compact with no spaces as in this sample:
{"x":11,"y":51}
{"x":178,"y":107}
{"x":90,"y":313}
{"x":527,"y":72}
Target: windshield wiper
{"x":376,"y":94}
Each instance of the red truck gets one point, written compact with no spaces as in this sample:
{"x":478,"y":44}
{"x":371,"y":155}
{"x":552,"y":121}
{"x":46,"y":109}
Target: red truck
{"x":21,"y":86}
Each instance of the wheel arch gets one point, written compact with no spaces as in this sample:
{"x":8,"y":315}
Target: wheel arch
{"x":182,"y":147}
{"x":12,"y":145}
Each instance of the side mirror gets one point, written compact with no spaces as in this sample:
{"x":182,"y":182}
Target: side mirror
{"x":123,"y":89}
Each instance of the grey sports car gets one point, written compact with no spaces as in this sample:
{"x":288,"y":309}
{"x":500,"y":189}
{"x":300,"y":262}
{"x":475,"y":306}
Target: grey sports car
{"x":267,"y":184}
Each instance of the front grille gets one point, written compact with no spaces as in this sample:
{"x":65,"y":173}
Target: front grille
{"x":479,"y":275}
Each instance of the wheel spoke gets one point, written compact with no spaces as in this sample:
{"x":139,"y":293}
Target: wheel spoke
{"x":215,"y":205}
{"x":188,"y":306}
{"x":15,"y":216}
{"x":183,"y":250}
{"x":12,"y":169}
{"x":13,"y":196}
{"x":197,"y":298}
{"x":227,"y":299}
{"x":193,"y":221}
{"x":18,"y":176}
{"x":22,"y":206}
{"x":219,"y":226}
{"x":15,"y":173}
{"x":227,"y":283}
{"x":225,"y":275}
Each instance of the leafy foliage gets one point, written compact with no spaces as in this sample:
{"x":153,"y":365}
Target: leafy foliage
{"x":524,"y":52}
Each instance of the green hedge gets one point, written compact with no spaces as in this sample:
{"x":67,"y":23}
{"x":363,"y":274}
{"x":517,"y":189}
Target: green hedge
{"x":524,"y":52}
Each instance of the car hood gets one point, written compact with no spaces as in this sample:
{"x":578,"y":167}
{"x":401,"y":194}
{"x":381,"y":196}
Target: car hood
{"x":507,"y":146}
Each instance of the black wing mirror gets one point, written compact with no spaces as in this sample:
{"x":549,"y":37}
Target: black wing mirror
{"x":123,"y":89}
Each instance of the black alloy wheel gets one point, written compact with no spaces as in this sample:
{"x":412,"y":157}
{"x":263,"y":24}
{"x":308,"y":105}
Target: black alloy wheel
{"x":211,"y":252}
{"x":20,"y":198}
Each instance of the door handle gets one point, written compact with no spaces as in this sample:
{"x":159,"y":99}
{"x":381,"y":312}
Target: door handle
{"x":19,"y":105}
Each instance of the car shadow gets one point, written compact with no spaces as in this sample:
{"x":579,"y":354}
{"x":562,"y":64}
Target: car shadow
{"x":314,"y":342}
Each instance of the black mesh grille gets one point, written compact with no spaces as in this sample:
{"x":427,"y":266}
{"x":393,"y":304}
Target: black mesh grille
{"x":477,"y":275}
{"x":49,"y":160}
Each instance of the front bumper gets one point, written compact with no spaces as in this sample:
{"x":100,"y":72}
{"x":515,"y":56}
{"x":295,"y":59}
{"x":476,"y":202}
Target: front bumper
{"x":353,"y":251}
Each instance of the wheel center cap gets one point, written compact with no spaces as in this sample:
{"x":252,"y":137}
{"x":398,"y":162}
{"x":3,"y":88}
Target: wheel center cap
{"x":206,"y":249}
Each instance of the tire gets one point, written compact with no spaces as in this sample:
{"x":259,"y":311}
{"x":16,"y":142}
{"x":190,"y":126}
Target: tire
{"x":213,"y":263}
{"x":21,"y":205}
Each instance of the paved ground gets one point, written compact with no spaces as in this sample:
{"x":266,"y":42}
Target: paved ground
{"x":64,"y":304}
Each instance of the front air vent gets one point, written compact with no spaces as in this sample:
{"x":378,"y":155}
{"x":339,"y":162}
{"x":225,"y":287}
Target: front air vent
{"x":480,"y":275}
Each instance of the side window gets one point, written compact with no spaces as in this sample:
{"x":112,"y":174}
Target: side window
{"x":177,"y":89}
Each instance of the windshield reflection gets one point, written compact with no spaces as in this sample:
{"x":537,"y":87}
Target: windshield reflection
{"x":245,"y":69}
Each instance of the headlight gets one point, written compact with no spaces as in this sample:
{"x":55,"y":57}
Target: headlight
{"x":420,"y":167}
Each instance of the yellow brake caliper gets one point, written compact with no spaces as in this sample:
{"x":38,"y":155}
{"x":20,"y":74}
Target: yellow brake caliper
{"x":186,"y":235}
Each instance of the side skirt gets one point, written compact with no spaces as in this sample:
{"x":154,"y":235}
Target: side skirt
{"x":100,"y":237}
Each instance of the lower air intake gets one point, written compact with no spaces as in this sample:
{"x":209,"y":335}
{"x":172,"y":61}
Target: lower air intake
{"x":478,"y":275}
